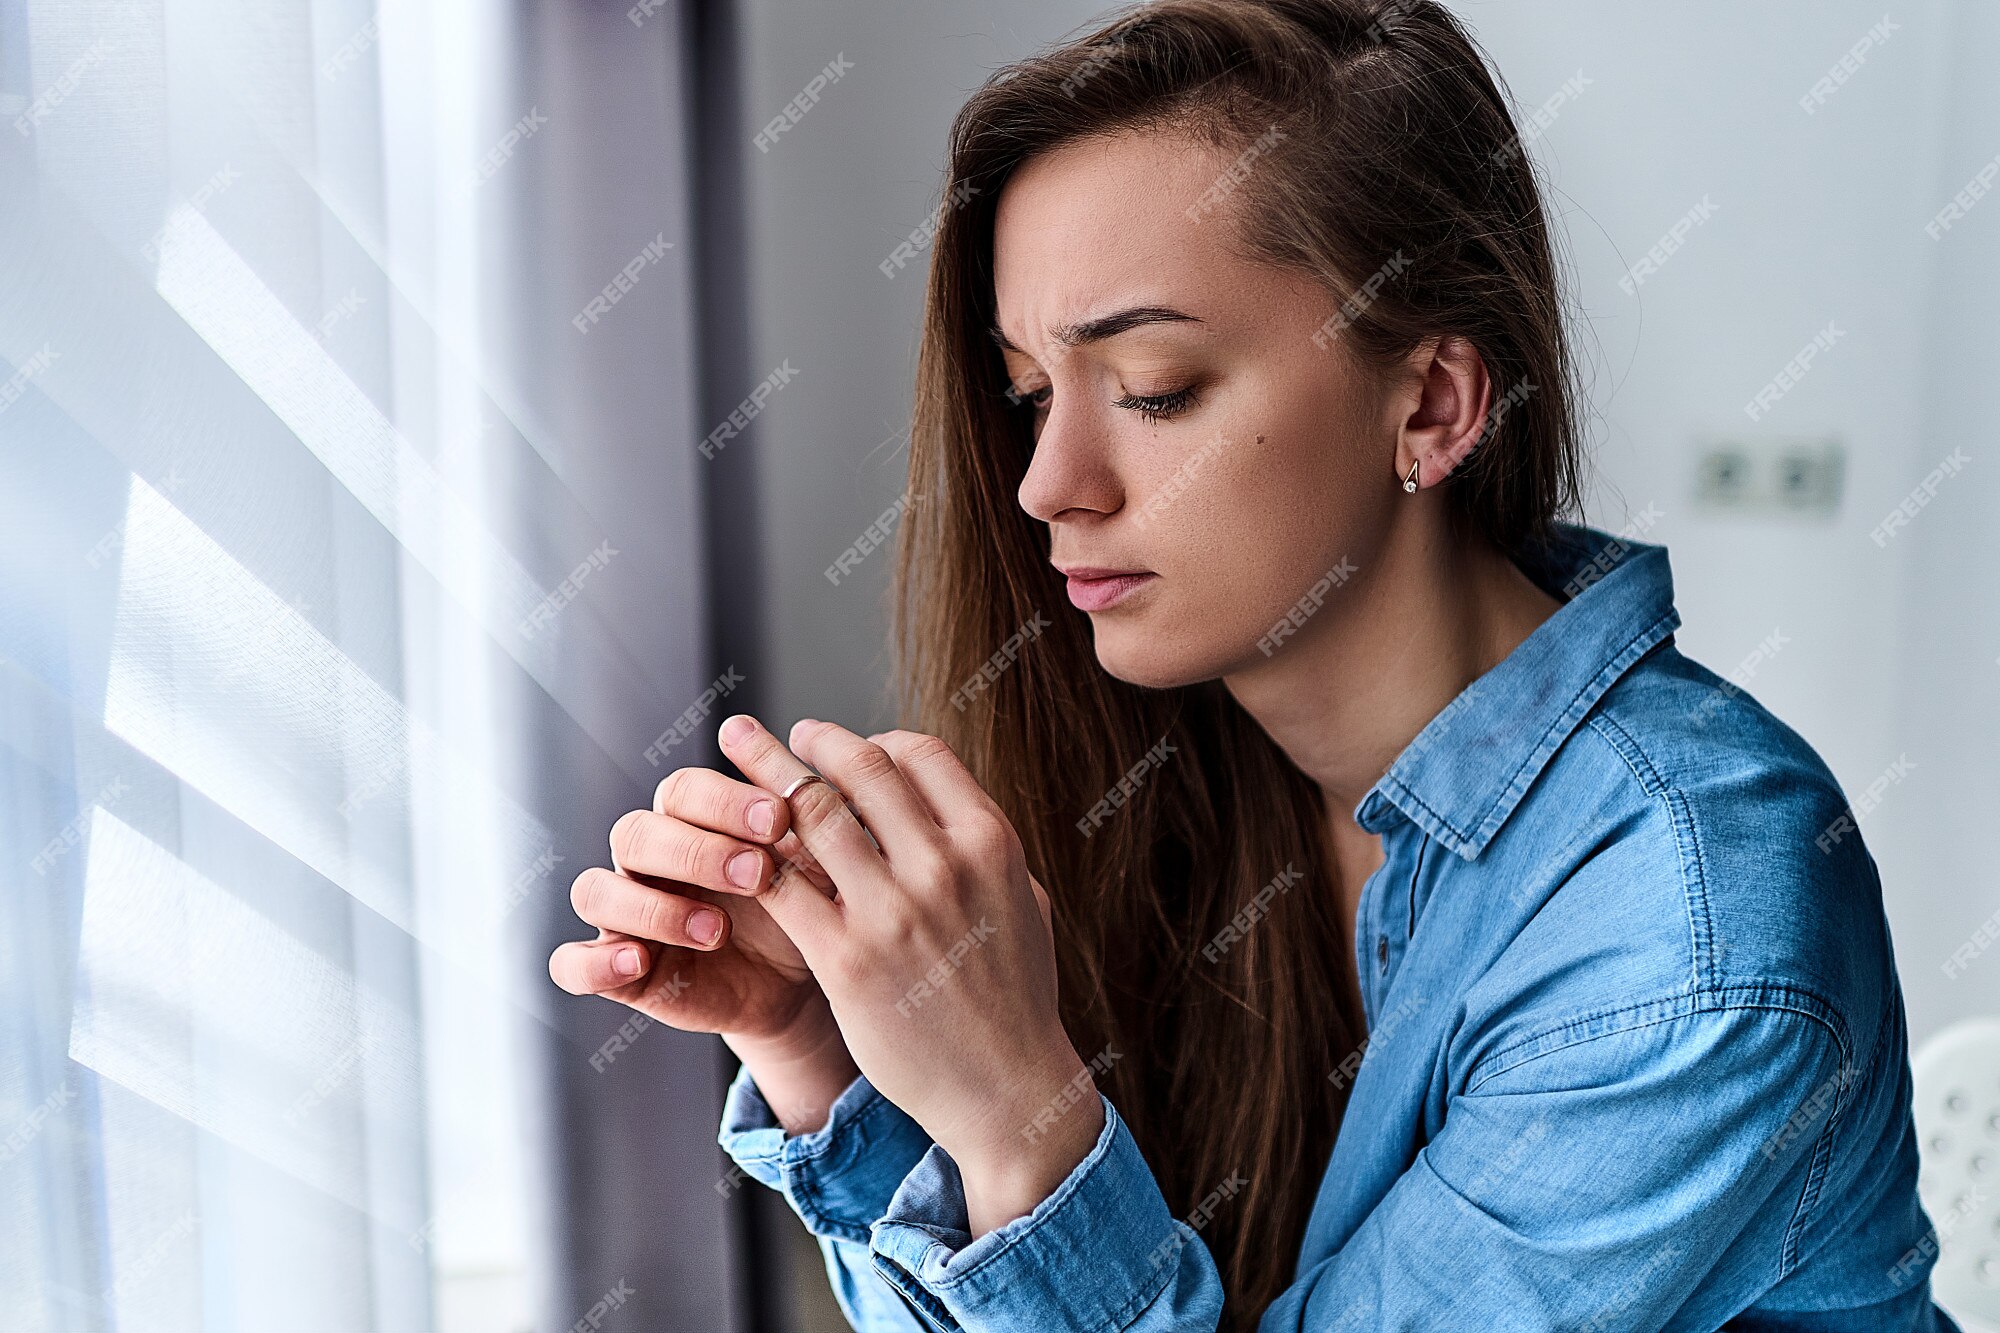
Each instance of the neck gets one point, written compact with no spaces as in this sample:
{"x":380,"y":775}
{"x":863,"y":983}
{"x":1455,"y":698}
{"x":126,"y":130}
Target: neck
{"x":1387,"y":651}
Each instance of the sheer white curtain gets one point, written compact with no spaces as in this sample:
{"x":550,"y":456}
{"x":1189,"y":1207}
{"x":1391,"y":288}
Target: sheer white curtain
{"x":292,"y":570}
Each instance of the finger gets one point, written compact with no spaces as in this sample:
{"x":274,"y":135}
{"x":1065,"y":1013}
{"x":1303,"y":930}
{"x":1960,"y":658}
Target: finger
{"x":791,"y":852}
{"x":807,"y":911}
{"x":708,"y":799}
{"x":610,"y":901}
{"x":872,"y":782}
{"x":670,"y":848}
{"x":934,"y":770}
{"x":829,"y":830}
{"x":591,"y":967}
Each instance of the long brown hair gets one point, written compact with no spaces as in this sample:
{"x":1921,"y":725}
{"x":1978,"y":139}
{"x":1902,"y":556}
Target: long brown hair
{"x":1395,"y":153}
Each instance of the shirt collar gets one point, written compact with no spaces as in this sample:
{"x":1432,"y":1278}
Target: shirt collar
{"x":1464,"y":773}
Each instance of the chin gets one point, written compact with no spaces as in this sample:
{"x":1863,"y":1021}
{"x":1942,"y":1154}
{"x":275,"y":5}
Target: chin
{"x":1141,"y":655}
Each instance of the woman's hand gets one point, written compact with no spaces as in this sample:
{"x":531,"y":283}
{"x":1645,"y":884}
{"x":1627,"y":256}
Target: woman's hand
{"x":683,"y":939}
{"x":936,"y":958}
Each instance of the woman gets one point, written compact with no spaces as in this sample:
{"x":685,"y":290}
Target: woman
{"x":1433,"y":946}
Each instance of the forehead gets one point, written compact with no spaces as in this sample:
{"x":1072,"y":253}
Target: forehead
{"x":1143,"y":217}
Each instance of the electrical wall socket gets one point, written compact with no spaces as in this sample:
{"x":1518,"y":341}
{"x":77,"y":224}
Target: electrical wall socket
{"x":1795,"y":474}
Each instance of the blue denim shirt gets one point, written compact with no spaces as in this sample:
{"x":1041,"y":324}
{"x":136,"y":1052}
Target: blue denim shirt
{"x":1636,"y":1053}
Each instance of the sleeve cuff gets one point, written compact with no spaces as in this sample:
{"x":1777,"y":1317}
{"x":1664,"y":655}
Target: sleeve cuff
{"x":839,"y":1178}
{"x":1093,"y":1254}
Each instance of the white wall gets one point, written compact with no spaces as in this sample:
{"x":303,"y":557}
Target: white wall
{"x":1889,"y":648}
{"x":1937,"y":840}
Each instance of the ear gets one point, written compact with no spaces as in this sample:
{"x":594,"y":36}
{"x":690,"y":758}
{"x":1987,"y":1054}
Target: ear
{"x":1451,"y":414}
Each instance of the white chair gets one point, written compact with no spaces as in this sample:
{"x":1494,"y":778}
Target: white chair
{"x":1957,"y":1106}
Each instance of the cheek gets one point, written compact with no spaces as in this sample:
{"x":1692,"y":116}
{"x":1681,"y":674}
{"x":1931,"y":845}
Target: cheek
{"x":1243,"y":523}
{"x":1236,"y":549}
{"x":1258,"y":526}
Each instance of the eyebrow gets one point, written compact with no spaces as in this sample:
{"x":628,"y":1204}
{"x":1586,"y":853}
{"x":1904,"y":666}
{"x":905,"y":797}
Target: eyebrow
{"x":1106,"y":326}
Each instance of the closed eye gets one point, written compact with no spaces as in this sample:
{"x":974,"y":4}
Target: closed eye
{"x":1155,"y":407}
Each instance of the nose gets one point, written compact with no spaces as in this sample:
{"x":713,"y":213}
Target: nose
{"x":1071,"y":468}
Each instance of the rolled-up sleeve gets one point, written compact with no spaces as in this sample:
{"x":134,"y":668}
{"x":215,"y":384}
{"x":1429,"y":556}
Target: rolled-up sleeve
{"x":1103,"y":1251}
{"x":1584,"y":1181}
{"x":839,"y":1179}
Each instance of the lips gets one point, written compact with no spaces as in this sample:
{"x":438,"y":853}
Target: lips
{"x":1096,"y":571}
{"x":1095,"y":589}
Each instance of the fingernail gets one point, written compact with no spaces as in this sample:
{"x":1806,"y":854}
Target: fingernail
{"x":736,"y":728}
{"x":742,"y":869}
{"x":763,"y":818}
{"x":705,"y":926}
{"x":626,"y":962}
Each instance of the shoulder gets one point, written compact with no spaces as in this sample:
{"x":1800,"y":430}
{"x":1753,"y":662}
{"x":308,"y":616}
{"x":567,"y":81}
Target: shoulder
{"x":1715,"y":844}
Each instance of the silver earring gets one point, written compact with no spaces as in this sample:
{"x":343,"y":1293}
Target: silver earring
{"x":1410,"y":482}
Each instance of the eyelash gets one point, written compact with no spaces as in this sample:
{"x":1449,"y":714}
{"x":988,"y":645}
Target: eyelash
{"x":1154,"y":407}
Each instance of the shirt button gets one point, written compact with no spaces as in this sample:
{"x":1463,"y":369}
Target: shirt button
{"x":1382,"y":954}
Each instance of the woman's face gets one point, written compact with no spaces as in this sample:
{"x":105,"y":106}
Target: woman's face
{"x":1197,"y":432}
